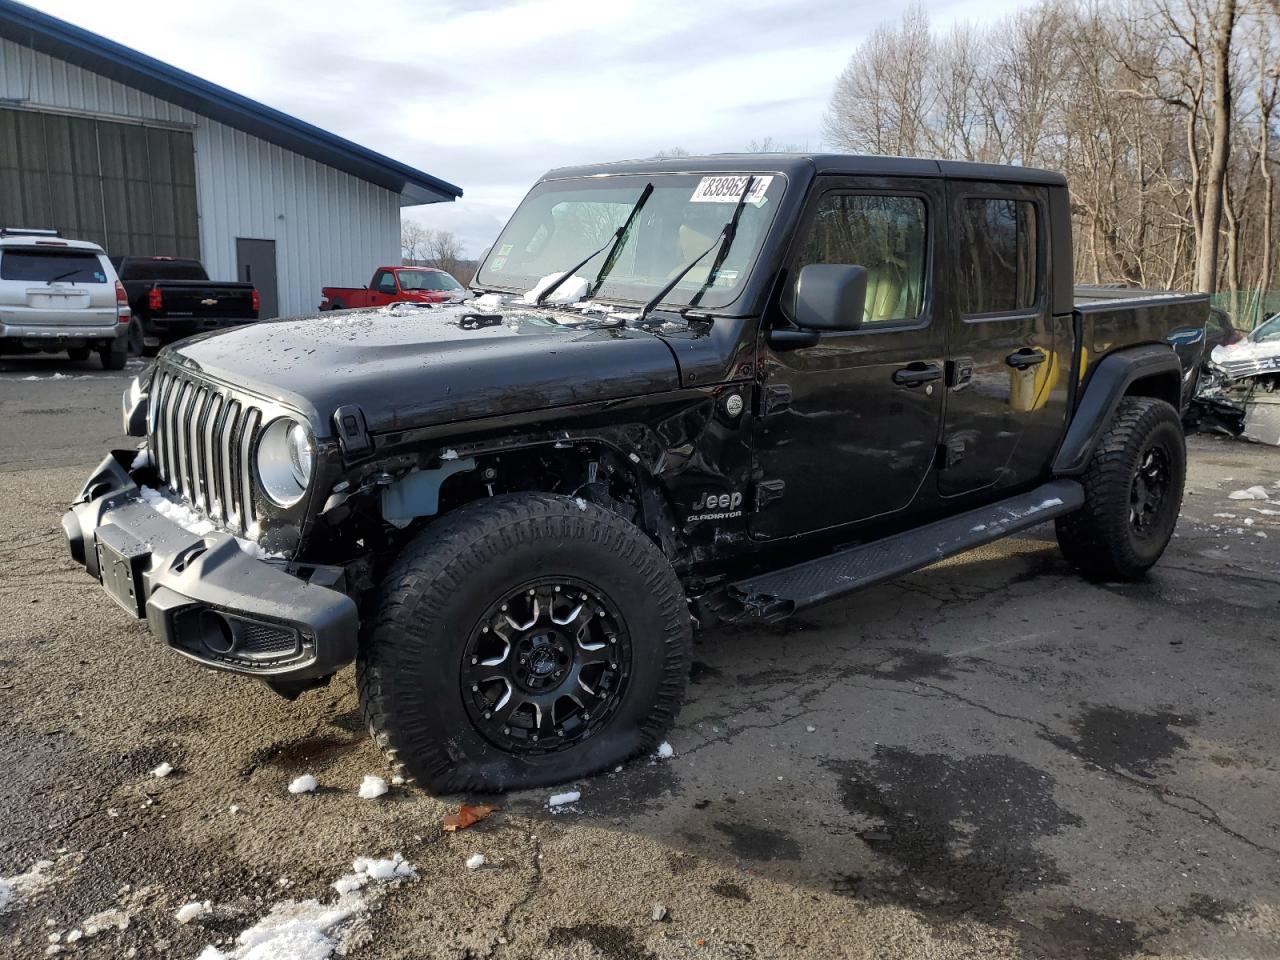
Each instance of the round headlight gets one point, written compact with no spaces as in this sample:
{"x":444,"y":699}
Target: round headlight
{"x":285,"y":461}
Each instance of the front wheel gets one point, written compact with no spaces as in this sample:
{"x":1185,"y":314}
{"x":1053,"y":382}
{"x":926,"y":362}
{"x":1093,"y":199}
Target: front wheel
{"x":1133,"y":493}
{"x":522,"y":641}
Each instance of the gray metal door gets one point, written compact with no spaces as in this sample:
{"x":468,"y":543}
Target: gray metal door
{"x":256,"y":264}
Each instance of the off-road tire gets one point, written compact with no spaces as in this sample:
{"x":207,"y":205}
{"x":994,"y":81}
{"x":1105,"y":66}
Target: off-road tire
{"x":1101,"y":539}
{"x":113,"y":359}
{"x":409,"y":668}
{"x":78,"y":354}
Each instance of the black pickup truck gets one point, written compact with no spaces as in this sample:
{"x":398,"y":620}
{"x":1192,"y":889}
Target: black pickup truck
{"x":688,"y":390}
{"x":172,"y":298}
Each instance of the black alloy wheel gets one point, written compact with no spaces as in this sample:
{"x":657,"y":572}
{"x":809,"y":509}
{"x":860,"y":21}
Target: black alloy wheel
{"x":1150,"y":488}
{"x":546,"y":665}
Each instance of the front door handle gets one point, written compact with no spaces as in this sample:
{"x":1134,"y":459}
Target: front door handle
{"x":1024,"y":358}
{"x":914,"y":374}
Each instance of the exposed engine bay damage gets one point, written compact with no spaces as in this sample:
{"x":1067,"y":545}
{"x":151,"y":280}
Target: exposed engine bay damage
{"x":1239,"y":392}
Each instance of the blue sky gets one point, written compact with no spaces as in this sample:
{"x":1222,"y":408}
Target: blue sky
{"x":490,"y":94}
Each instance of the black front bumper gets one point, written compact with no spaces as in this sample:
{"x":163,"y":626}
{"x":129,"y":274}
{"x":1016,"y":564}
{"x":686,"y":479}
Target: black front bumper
{"x":204,"y":595}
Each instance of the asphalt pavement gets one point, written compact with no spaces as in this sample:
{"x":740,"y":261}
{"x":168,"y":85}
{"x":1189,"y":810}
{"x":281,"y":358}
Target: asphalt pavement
{"x":989,"y":758}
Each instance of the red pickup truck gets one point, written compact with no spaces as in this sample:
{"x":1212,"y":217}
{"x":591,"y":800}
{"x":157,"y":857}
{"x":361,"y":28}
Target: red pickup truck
{"x":395,"y":285}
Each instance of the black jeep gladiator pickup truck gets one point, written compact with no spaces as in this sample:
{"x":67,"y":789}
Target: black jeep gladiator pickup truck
{"x":688,"y":390}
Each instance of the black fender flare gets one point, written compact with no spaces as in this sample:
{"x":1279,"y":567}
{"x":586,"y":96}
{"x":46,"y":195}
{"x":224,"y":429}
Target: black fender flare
{"x":1108,"y":384}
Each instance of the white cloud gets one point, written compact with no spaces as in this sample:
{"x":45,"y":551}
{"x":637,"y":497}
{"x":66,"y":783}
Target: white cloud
{"x":489,"y":95}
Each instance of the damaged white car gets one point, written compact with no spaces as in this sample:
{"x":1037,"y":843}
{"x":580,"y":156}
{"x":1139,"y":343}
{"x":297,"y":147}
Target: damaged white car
{"x":1240,"y":386}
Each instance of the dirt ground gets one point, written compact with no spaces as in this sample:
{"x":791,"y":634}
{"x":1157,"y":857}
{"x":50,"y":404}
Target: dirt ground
{"x":989,"y":758}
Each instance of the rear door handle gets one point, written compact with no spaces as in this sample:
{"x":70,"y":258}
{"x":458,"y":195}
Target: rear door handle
{"x":914,"y":374}
{"x":1024,"y":358}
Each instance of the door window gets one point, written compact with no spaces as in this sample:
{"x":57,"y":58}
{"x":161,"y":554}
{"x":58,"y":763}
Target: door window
{"x":386,"y":282}
{"x":883,"y":234}
{"x":999,"y":255}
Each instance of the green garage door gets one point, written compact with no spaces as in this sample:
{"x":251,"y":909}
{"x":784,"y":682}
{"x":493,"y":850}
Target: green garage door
{"x":128,"y":187}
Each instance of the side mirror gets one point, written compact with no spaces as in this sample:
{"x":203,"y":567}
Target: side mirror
{"x":830,"y":296}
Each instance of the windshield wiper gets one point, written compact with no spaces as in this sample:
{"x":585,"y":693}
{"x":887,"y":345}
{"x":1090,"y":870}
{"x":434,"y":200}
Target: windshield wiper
{"x":63,"y":276}
{"x":723,"y":240}
{"x":611,"y":245}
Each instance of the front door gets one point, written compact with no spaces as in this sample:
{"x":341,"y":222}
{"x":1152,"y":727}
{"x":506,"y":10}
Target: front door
{"x":383,"y":290}
{"x":847,"y":429}
{"x":256,"y":264}
{"x":1006,"y":383}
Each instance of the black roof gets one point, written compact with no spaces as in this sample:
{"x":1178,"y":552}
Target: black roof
{"x":63,"y":40}
{"x":810,"y":163}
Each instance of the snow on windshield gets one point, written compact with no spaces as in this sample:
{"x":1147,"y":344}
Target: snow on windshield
{"x":571,"y":291}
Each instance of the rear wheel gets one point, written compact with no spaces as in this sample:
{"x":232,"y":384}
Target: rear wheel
{"x":523,"y":641}
{"x":114,"y":356}
{"x":136,"y":346}
{"x":1133,"y":493}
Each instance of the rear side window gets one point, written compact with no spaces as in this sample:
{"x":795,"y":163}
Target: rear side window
{"x":47,"y":266}
{"x":148,"y":269}
{"x":999,"y":244}
{"x":886,"y":236}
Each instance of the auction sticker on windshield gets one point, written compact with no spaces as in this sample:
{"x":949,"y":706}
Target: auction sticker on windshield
{"x":729,"y":190}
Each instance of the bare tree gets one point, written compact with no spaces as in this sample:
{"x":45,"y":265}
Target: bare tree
{"x":444,"y":251}
{"x":770,"y":145}
{"x":413,"y":241}
{"x":1162,"y":114}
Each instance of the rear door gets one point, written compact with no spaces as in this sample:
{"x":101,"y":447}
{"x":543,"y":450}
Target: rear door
{"x":1006,"y":385}
{"x":847,"y":429}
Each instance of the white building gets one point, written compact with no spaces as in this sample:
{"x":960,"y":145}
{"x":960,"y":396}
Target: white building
{"x":106,"y":144}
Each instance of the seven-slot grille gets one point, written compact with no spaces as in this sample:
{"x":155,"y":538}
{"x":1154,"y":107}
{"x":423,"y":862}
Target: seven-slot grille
{"x":202,"y":441}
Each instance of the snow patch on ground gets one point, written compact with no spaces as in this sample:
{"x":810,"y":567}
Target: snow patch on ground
{"x":143,"y":459}
{"x":22,"y":885}
{"x":475,"y":861}
{"x":1257,"y":492}
{"x":309,"y":929}
{"x":192,"y":911}
{"x":563,"y":799}
{"x":372,"y":787}
{"x":303,"y":784}
{"x":163,"y":770}
{"x":666,"y":751}
{"x":571,"y":291}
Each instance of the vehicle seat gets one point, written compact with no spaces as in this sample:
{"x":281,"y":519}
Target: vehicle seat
{"x":885,"y":287}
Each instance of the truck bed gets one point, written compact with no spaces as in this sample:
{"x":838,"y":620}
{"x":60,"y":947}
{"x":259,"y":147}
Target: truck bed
{"x":1109,"y":317}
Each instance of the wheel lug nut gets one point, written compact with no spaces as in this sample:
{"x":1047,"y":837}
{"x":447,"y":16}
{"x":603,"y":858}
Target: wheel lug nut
{"x":475,"y":687}
{"x":557,"y":589}
{"x":488,"y":715}
{"x":474,"y":661}
{"x":586,"y":716}
{"x":534,"y":738}
{"x":506,"y":730}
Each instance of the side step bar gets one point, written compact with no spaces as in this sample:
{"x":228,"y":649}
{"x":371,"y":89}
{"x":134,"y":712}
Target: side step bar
{"x":776,"y":595}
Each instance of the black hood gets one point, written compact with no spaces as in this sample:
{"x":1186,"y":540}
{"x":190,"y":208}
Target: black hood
{"x":410,"y":366}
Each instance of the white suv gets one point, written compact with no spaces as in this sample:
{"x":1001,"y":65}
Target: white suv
{"x":58,"y":294}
